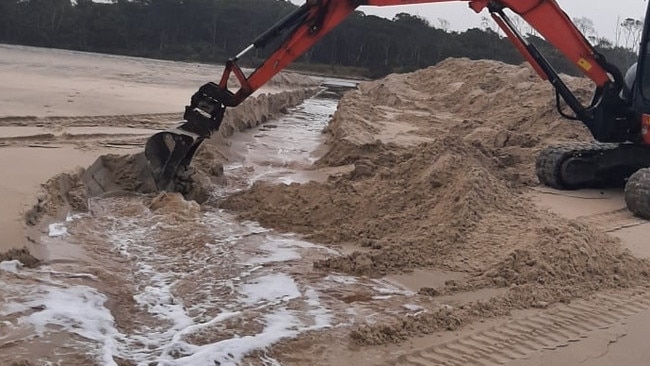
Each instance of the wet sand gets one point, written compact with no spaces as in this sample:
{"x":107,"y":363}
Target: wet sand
{"x":49,"y":82}
{"x":44,"y":83}
{"x":26,"y":168}
{"x":194,"y":285}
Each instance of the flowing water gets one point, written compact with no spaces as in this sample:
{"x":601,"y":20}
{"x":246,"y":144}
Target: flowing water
{"x":131,"y":282}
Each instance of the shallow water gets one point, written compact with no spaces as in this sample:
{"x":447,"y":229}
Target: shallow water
{"x":176,"y":284}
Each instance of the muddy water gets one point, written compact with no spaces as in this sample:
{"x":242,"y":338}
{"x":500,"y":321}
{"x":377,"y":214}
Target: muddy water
{"x":166,"y":282}
{"x":282,"y":151}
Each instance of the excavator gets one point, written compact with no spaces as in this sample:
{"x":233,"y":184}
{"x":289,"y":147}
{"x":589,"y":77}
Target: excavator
{"x":618,"y":115}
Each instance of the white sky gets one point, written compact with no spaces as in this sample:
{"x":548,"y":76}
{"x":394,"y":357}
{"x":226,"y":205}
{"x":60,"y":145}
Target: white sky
{"x":603,"y":12}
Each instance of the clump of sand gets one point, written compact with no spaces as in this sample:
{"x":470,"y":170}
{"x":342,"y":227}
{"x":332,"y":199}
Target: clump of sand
{"x":440,"y":157}
{"x":166,"y":203}
{"x":59,"y":195}
{"x":21,"y":255}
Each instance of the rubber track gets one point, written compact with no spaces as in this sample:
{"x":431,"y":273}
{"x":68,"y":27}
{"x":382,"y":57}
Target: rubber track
{"x":546,"y":330}
{"x":549,"y":161}
{"x":637,"y":193}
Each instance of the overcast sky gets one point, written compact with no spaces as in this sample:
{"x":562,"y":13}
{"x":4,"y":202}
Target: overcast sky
{"x":603,"y":12}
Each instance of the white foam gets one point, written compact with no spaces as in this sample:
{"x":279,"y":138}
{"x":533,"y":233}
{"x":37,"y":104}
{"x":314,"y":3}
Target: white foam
{"x":254,"y":227}
{"x":288,"y":181}
{"x":382,"y":297}
{"x":176,"y":342}
{"x":413,"y":307}
{"x":49,"y":271}
{"x":57,"y":229}
{"x":276,"y":253}
{"x":284,"y":248}
{"x":280,"y":324}
{"x":157,"y":295}
{"x":160,"y":302}
{"x":255,"y":294}
{"x":345,"y":280}
{"x":79,"y":310}
{"x":280,"y":249}
{"x":387,"y":288}
{"x":12,"y":308}
{"x":11,"y":266}
{"x":71,"y":217}
{"x":322,"y":316}
{"x":273,"y":288}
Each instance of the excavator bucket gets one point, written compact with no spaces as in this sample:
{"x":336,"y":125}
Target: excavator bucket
{"x":169,"y":153}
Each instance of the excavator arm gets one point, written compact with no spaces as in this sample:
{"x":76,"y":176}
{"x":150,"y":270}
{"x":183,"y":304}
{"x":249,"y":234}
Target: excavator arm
{"x":315,"y":19}
{"x":171,"y":151}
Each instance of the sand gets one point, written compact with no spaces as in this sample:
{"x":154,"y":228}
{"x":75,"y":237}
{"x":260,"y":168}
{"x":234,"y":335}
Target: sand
{"x":429,"y":185}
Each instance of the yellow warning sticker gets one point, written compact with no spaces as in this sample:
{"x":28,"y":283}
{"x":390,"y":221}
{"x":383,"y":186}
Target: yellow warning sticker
{"x":584,"y":64}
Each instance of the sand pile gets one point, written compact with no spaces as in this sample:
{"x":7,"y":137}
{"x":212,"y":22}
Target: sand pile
{"x":503,"y":109}
{"x":439,"y":158}
{"x":439,"y":204}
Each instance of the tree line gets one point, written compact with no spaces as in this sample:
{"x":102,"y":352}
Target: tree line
{"x":213,"y":30}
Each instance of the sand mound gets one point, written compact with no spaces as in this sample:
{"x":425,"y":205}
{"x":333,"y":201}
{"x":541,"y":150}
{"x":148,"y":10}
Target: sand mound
{"x":439,"y":204}
{"x":502,"y":109}
{"x":439,"y":158}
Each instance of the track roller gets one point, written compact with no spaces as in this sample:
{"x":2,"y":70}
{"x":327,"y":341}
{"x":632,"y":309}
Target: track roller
{"x":598,"y":165}
{"x":637,"y":193}
{"x":582,"y":165}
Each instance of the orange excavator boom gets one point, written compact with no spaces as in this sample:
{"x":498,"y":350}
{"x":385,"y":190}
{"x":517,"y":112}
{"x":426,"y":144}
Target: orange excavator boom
{"x":171,"y":151}
{"x":317,"y":18}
